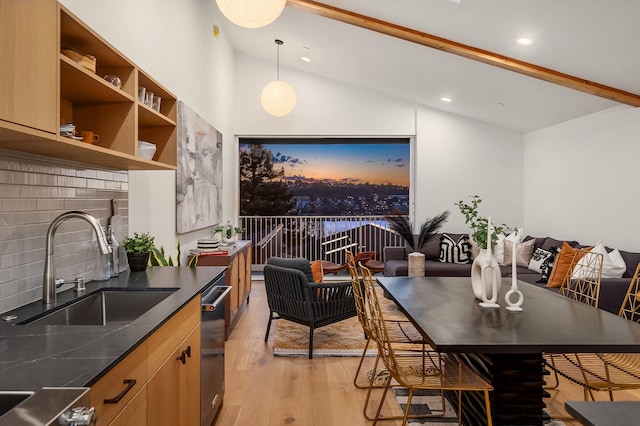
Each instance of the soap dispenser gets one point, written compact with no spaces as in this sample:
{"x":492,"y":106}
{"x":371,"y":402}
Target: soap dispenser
{"x":114,"y":257}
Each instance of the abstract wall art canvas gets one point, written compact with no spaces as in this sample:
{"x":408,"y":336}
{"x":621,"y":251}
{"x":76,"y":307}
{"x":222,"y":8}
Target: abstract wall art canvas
{"x":199,"y":175}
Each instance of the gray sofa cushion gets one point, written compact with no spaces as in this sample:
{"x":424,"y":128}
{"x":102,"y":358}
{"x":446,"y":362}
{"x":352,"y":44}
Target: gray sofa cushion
{"x":632,"y":260}
{"x":434,"y":268}
{"x":300,"y":264}
{"x":396,"y":268}
{"x":431,"y":249}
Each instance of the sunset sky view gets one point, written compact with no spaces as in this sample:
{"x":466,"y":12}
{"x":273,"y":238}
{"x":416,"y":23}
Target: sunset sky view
{"x":351,"y":163}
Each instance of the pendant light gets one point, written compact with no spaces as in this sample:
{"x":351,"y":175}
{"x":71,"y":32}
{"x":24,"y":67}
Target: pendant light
{"x":251,"y":13}
{"x":278,"y":98}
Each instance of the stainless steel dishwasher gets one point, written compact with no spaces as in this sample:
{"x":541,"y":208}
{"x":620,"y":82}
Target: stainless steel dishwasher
{"x":212,"y":351}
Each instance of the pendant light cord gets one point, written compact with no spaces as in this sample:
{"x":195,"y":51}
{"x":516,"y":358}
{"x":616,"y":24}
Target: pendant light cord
{"x":279,"y":43}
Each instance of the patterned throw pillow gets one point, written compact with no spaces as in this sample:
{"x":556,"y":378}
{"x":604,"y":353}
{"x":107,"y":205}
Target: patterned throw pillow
{"x":539,"y":257}
{"x":455,"y":251}
{"x":546,"y":266}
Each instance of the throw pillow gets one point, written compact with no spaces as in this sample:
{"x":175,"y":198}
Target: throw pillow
{"x":455,"y":251}
{"x":524,"y":252}
{"x":547,"y":265}
{"x":617,"y":266}
{"x":499,"y":250}
{"x":613,"y":265}
{"x":316,"y":269}
{"x":539,"y":257}
{"x":562,"y":264}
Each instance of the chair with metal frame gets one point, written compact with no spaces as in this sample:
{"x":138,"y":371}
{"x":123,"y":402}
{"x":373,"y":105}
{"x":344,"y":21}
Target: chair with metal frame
{"x":580,"y":283}
{"x":401,"y":332}
{"x":291,"y":296}
{"x":424,"y":370}
{"x":607,"y":372}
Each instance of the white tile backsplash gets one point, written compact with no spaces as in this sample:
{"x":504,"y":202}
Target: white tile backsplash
{"x":34,"y":191}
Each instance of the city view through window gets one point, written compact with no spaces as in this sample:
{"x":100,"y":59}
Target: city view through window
{"x":313,"y":177}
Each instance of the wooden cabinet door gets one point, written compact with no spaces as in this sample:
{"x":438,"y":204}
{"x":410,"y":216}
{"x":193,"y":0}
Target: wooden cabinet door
{"x":234,"y":296}
{"x":111,"y":394}
{"x":29,"y":64}
{"x":135,"y":413}
{"x":173,"y":393}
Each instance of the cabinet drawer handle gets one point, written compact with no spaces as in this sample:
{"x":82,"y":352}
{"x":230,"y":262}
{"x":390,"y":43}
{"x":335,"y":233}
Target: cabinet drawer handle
{"x":130,"y":384}
{"x":185,"y":354}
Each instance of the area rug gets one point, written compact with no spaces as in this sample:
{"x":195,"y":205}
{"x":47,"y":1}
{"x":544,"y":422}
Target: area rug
{"x":424,"y":401}
{"x":344,"y":338}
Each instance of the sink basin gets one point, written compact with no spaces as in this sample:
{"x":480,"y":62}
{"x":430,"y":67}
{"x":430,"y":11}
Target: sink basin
{"x":8,"y":400}
{"x":105,"y":307}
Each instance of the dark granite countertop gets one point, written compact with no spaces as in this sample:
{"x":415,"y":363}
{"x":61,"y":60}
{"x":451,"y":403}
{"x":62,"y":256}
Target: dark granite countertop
{"x":37,"y":356}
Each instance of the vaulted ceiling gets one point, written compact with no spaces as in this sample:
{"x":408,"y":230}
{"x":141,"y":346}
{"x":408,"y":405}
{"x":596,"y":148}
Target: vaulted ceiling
{"x":588,"y":45}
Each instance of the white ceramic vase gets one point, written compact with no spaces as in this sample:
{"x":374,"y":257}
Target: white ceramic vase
{"x":476,"y":275}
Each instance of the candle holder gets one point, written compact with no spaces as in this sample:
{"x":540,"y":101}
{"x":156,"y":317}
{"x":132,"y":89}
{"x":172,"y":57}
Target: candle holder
{"x":514,"y":306}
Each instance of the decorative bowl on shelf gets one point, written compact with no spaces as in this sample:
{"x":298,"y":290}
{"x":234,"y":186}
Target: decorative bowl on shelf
{"x":146,"y":150}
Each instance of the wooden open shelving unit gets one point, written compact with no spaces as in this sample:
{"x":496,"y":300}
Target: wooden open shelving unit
{"x":61,"y":91}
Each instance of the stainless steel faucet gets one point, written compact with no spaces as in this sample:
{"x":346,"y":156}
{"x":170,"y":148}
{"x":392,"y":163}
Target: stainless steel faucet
{"x":48,"y":280}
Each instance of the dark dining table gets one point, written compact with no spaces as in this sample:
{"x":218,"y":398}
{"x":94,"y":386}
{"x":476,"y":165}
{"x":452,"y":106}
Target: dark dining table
{"x":507,"y":347}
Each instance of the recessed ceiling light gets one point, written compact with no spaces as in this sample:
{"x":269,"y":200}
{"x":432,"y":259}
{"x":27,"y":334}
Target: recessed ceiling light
{"x":445,"y":99}
{"x":305,"y":57}
{"x":523,"y":41}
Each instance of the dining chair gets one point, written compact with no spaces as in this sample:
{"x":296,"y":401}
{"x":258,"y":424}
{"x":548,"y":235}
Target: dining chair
{"x":608,"y":372}
{"x":581,"y":283}
{"x":427,"y":369}
{"x":401,"y":332}
{"x":582,"y":280}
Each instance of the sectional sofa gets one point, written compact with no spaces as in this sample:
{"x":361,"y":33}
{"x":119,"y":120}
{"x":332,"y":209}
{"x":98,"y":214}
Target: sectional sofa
{"x":612,"y":290}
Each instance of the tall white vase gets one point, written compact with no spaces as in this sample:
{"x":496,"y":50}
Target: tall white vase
{"x":476,"y":274}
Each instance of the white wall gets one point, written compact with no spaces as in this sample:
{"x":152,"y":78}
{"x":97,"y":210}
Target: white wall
{"x":324,"y":107}
{"x":456,"y":157}
{"x":173,"y":42}
{"x":580,"y":182}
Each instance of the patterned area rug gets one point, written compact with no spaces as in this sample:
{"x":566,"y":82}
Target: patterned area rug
{"x":424,"y":401}
{"x":345,"y":338}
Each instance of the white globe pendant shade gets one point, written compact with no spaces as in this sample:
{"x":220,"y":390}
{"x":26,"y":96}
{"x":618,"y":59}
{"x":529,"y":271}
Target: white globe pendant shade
{"x":251,"y":13}
{"x":278,"y":98}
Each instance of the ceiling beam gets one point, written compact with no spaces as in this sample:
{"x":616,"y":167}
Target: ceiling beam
{"x":468,"y":52}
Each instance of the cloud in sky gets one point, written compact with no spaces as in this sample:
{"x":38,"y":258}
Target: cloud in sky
{"x":398,"y":162}
{"x":280,"y":158}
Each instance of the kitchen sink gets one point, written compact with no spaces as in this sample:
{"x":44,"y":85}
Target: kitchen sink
{"x":8,"y":400}
{"x":104,"y":307}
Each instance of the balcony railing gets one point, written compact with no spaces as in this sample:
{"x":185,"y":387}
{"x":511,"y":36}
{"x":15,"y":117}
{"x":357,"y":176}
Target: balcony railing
{"x":317,"y":237}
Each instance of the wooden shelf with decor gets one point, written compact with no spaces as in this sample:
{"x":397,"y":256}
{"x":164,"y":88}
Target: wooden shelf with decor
{"x":238,"y":276}
{"x":158,"y":127}
{"x":54,"y":71}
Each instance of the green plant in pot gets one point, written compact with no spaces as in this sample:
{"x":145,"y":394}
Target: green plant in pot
{"x":138,"y":248}
{"x":478,"y":224}
{"x":482,"y":260}
{"x":159,"y":258}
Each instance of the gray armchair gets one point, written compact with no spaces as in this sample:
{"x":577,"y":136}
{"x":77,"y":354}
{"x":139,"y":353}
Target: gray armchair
{"x":291,"y":296}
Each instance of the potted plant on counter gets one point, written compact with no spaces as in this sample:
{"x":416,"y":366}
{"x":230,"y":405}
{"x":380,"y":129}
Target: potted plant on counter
{"x":138,"y":248}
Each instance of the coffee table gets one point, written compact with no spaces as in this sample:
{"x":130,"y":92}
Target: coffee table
{"x":505,"y":346}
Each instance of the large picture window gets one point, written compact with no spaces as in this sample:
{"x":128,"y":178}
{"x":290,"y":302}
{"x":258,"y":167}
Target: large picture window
{"x":324,"y":176}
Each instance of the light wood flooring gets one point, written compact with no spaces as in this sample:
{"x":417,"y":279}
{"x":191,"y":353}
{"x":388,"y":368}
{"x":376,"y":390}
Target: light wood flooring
{"x":263,"y":390}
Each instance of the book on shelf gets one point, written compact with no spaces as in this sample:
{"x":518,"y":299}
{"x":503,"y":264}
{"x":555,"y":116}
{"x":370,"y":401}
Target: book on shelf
{"x":209,"y":252}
